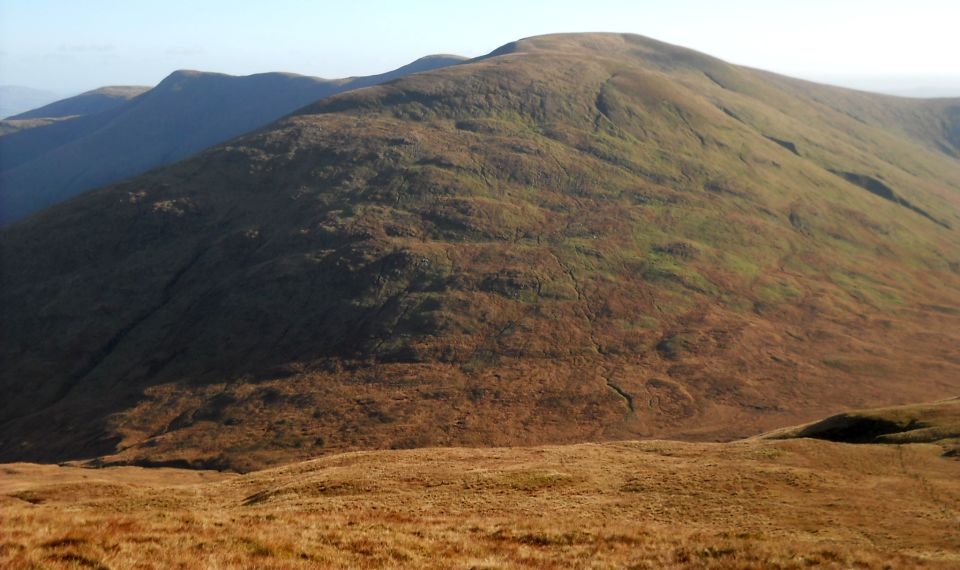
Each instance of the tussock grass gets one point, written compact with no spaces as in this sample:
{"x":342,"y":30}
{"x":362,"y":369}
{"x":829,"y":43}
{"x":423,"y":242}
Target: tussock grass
{"x":757,"y":504}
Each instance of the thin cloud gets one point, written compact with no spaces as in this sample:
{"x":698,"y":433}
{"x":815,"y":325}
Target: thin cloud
{"x":184,"y":51}
{"x":87,"y":48}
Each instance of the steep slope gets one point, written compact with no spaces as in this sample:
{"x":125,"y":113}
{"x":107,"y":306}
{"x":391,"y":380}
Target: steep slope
{"x":579,"y":237}
{"x":87,"y":103}
{"x":187,"y":112}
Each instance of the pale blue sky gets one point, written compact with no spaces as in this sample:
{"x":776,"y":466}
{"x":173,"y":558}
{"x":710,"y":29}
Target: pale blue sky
{"x":73,"y":45}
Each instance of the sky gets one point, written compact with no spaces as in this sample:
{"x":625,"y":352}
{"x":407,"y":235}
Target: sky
{"x":68,"y":46}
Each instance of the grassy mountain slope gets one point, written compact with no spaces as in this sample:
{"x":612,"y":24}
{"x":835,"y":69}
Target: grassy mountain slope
{"x":87,"y":103}
{"x":579,"y":237}
{"x":187,"y":112}
{"x":760,"y":503}
{"x":936,"y":423}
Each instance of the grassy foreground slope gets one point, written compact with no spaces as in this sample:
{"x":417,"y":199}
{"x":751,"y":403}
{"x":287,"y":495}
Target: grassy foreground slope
{"x":579,"y":237}
{"x":759,"y":504}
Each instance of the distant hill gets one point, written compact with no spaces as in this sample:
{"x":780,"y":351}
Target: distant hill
{"x":928,"y":86}
{"x":575,"y":238}
{"x":17,"y":99}
{"x":87,"y":103}
{"x":187,"y":112}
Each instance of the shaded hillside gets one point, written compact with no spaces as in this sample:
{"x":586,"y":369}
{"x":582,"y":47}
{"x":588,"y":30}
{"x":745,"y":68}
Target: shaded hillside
{"x":71,"y":108}
{"x":576,"y":238}
{"x":187,"y":112}
{"x":87,"y":103}
{"x":755,"y":504}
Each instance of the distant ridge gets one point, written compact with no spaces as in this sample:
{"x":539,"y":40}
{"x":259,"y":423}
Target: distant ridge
{"x":17,"y":99}
{"x":187,"y":112}
{"x":88,"y":103}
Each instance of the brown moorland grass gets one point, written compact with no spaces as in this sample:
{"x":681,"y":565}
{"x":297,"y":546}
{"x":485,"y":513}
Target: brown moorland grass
{"x":759,"y":503}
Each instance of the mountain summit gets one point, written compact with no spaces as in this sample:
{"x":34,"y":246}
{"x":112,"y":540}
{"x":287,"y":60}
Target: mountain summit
{"x":577,"y":237}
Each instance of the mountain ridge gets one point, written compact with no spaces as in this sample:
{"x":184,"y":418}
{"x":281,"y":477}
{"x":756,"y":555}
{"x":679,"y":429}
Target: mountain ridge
{"x":86,"y":103}
{"x":570,"y":243}
{"x":185,"y":113}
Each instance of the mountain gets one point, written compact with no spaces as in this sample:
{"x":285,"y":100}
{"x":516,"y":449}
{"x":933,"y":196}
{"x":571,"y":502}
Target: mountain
{"x":187,"y":112}
{"x":754,"y":504}
{"x":88,"y":103}
{"x":17,"y":99}
{"x":575,"y":238}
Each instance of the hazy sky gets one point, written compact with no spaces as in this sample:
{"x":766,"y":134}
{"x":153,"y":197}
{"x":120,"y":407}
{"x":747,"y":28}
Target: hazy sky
{"x":73,"y":45}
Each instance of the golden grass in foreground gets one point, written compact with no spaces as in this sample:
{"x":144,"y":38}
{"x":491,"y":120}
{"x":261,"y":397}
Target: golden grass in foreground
{"x":751,"y":504}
